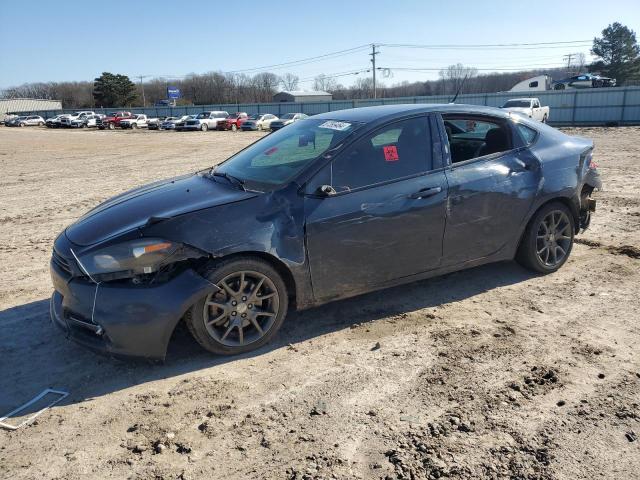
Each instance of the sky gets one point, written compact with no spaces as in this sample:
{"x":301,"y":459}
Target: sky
{"x":78,"y":40}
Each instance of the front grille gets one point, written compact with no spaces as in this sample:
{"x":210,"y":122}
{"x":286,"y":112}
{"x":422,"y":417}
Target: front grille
{"x":61,"y":262}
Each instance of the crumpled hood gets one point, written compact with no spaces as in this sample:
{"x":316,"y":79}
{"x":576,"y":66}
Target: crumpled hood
{"x":163,"y":199}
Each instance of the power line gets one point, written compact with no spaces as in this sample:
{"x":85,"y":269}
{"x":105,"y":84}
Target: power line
{"x":488,"y":45}
{"x":303,"y":61}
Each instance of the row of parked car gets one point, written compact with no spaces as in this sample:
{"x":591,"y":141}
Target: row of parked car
{"x":210,"y":120}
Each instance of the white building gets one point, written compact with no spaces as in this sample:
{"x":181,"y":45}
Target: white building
{"x":302,"y":96}
{"x":19,"y":105}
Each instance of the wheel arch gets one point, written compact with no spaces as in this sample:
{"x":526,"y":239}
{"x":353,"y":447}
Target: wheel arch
{"x":568,"y":202}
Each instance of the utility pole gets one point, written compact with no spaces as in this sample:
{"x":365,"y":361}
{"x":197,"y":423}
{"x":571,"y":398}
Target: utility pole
{"x":144,"y":101}
{"x":373,"y":54}
{"x":569,"y":56}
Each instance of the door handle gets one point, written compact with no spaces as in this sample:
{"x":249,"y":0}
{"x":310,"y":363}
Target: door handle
{"x":522,"y":164}
{"x":425,"y":192}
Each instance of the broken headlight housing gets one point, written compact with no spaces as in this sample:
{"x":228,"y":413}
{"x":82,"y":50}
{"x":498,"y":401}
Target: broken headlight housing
{"x":142,"y":256}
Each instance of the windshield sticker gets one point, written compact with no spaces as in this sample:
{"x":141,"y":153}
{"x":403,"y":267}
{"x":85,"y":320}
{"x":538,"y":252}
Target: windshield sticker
{"x":334,"y":125}
{"x":271,"y":151}
{"x":390,"y":153}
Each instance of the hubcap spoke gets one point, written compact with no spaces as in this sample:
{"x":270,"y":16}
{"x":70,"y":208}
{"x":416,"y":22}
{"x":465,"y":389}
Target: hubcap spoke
{"x":247,"y":301}
{"x":553,"y":239}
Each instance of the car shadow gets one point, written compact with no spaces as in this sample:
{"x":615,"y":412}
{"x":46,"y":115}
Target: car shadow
{"x":35,"y":354}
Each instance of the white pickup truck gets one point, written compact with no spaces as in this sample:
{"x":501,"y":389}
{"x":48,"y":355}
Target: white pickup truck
{"x":79,"y":116}
{"x":205,"y":121}
{"x":529,"y":107}
{"x":136,"y":121}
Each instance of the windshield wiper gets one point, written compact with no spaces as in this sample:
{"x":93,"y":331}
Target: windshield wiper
{"x":233,"y":180}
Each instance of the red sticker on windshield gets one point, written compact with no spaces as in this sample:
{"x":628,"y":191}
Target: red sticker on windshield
{"x":390,"y":153}
{"x":271,"y":151}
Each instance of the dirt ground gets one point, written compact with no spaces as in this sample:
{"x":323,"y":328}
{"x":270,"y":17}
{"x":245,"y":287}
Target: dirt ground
{"x":488,"y":373}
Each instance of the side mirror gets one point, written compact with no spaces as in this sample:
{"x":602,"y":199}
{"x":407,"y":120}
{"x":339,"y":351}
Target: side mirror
{"x":326,"y":191}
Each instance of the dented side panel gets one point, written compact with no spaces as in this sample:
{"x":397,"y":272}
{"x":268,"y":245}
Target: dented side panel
{"x":271,"y":224}
{"x":368,"y":237}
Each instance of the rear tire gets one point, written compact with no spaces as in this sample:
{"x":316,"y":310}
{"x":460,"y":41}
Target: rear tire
{"x":548,"y":239}
{"x":544,"y":119}
{"x":211,"y":319}
{"x":134,"y":126}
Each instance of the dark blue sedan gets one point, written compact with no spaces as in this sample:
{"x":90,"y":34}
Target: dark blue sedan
{"x":333,"y":206}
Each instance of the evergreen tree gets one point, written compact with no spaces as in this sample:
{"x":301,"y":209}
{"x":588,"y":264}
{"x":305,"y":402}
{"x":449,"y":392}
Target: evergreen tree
{"x":111,"y":90}
{"x":618,"y":53}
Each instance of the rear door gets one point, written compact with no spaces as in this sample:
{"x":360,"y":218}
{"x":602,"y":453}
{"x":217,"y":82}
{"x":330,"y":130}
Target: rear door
{"x":493,"y":180}
{"x":386,"y":218}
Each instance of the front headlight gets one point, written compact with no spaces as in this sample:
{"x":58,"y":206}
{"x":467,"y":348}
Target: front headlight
{"x":128,"y":259}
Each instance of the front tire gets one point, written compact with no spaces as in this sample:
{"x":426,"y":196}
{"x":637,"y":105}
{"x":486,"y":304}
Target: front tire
{"x":544,"y":119}
{"x":247,"y":311}
{"x":234,"y":127}
{"x":204,"y":127}
{"x":548,"y":239}
{"x":112,"y":126}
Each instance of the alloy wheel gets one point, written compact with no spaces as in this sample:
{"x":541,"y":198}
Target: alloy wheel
{"x":553,"y":238}
{"x":244,"y":309}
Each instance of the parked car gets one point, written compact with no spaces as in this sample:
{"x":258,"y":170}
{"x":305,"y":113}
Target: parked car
{"x":529,"y":107}
{"x":169,"y":123}
{"x":27,"y":121}
{"x":283,"y":225}
{"x":8,"y":119}
{"x":205,"y":121}
{"x":14,"y":121}
{"x":155,"y":123}
{"x":66,"y":121}
{"x":86,"y":121}
{"x":179,"y":126}
{"x":260,"y":121}
{"x":584,"y":80}
{"x":54,"y":122}
{"x":134,"y":122}
{"x":286,"y":119}
{"x":112,"y":120}
{"x":233,"y":121}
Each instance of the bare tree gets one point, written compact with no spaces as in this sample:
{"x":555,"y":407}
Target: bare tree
{"x":454,"y":77}
{"x":322,"y":83}
{"x":289,"y":81}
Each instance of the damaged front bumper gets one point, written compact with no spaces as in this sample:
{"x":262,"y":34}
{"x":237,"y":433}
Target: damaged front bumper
{"x":122,"y":319}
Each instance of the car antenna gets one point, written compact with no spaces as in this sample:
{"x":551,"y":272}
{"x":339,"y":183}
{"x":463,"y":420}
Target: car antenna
{"x":453,"y":100}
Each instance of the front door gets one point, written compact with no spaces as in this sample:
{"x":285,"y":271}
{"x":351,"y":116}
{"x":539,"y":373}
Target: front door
{"x":386,"y":218}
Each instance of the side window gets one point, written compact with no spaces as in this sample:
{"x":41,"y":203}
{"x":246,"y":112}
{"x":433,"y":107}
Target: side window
{"x":471,"y":137}
{"x":533,"y":84}
{"x":394,"y":151}
{"x":528,"y":134}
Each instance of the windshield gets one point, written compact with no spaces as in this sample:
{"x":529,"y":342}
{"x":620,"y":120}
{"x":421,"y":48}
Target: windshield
{"x":517,"y":103}
{"x":255,"y":116}
{"x":287,"y":116}
{"x":203,"y":115}
{"x":280,"y":156}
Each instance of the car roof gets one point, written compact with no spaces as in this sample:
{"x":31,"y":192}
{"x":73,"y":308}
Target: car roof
{"x":380,"y":112}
